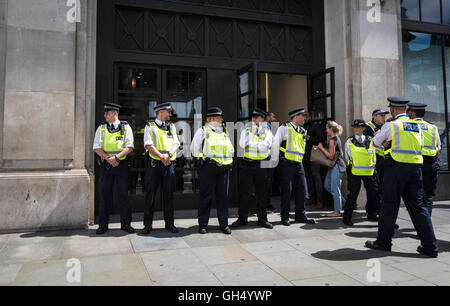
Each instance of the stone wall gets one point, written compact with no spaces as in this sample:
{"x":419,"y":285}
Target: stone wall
{"x":43,"y":72}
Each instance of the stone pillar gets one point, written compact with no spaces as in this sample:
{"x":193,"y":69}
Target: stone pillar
{"x":367,"y":57}
{"x":44,"y":67}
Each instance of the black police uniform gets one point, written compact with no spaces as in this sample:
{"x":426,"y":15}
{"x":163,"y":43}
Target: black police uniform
{"x":156,"y":175}
{"x":107,"y":176}
{"x":253,"y":172}
{"x":354,"y":185}
{"x":403,"y":180}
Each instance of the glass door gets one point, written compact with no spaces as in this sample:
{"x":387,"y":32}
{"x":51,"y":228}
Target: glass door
{"x":139,"y":88}
{"x":321,"y":95}
{"x":247,"y":91}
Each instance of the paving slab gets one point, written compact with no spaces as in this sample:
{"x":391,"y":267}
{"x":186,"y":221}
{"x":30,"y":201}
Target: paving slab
{"x":196,"y":240}
{"x":256,"y":234}
{"x":48,"y":273}
{"x":8,"y":273}
{"x":267,"y":247}
{"x":294,"y":265}
{"x":115,"y":270}
{"x":156,"y":241}
{"x":248,"y":274}
{"x":330,"y":280}
{"x":223,"y":254}
{"x":80,"y":246}
{"x":429,"y":270}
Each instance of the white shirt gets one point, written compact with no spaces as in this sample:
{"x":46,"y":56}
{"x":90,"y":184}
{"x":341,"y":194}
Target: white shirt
{"x":197,"y":141}
{"x":438,"y":136}
{"x":129,"y":139}
{"x":262,"y":145}
{"x":148,"y":141}
{"x":385,"y":133}
{"x":280,"y":136}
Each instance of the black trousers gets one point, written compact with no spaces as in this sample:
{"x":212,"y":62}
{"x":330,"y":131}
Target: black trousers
{"x":430,"y":177}
{"x":405,"y":180}
{"x":252,"y":173}
{"x":109,"y":175}
{"x":213,"y":180}
{"x":156,"y":175}
{"x":292,"y":179}
{"x":354,"y":187}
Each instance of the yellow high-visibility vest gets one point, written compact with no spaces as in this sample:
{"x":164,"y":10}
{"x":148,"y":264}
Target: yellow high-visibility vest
{"x":217,"y":146}
{"x":252,"y":151}
{"x":430,"y":138}
{"x":162,"y":140}
{"x":113,"y":143}
{"x":379,"y":150}
{"x":407,"y":141}
{"x":361,"y":158}
{"x":295,"y":144}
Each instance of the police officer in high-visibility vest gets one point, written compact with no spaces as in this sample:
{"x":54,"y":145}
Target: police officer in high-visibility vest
{"x":403,"y":178}
{"x":214,"y":151}
{"x":361,"y":159}
{"x":112,"y":143}
{"x":256,"y":140}
{"x":431,"y":148}
{"x":289,"y":149}
{"x":161,"y":142}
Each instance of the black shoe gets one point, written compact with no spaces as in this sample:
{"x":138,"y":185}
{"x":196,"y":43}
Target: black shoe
{"x":376,"y":246}
{"x":396,"y":226}
{"x":286,"y":222}
{"x":226,"y":230}
{"x":348,"y":221}
{"x":127,"y":228}
{"x":202,"y":231}
{"x":265,"y":224}
{"x":239,"y":223}
{"x":421,"y":251}
{"x":146,"y":230}
{"x":172,"y":228}
{"x":304,"y":220}
{"x":101,"y":230}
{"x":372,"y":217}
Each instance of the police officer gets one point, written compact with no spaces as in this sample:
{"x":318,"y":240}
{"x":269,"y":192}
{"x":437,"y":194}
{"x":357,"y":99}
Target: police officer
{"x":289,"y":149}
{"x":431,"y":149}
{"x":214,"y":152}
{"x":361,"y":159}
{"x":112,"y":143}
{"x":403,"y":178}
{"x":257,"y":143}
{"x":161,"y":142}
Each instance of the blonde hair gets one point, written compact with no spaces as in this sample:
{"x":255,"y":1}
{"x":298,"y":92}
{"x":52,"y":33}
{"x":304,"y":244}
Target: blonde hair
{"x":336,"y":128}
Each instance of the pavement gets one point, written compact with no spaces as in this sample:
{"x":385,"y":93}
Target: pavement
{"x":325,"y":254}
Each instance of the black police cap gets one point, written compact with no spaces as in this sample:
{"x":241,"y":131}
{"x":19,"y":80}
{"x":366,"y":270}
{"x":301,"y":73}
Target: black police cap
{"x":417,"y":106}
{"x":164,"y":106}
{"x":214,"y":111}
{"x":398,"y":102}
{"x":379,"y":112}
{"x":258,"y":112}
{"x":108,"y":106}
{"x":359,"y":122}
{"x":297,"y":111}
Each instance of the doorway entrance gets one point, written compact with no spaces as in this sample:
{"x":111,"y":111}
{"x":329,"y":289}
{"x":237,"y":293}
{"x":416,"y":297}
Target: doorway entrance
{"x":139,"y":88}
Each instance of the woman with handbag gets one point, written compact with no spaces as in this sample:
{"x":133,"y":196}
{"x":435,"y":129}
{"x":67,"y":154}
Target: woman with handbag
{"x":333,"y":179}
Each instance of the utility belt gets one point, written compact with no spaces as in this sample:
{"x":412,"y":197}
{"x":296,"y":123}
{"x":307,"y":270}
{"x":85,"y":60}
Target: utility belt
{"x":389,"y":162}
{"x":253,"y":163}
{"x":208,"y":161}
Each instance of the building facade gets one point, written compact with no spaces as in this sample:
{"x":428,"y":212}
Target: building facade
{"x":60,"y":60}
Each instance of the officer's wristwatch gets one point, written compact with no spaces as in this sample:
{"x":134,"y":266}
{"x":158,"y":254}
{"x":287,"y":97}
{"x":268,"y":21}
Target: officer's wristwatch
{"x":116,"y":158}
{"x":170,"y":155}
